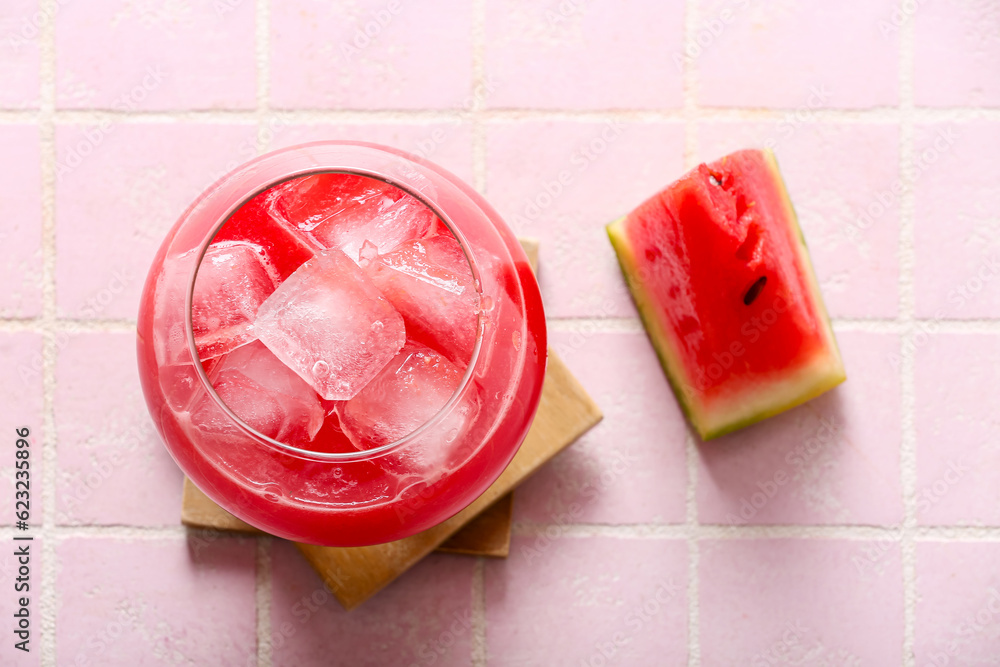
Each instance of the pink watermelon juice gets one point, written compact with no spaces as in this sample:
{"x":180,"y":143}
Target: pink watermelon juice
{"x":338,"y":359}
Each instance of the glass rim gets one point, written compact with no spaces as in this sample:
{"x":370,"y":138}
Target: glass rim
{"x":307,"y":453}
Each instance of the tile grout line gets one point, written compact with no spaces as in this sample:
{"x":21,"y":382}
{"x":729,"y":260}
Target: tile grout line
{"x":48,"y":599}
{"x":499,"y":114}
{"x":715,"y":531}
{"x":691,"y":116}
{"x":262,"y":557}
{"x":480,"y":650}
{"x":908,"y":454}
{"x":263,"y":576}
{"x":480,"y":655}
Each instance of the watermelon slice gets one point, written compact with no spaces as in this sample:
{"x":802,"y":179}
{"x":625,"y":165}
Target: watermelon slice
{"x":719,"y":271}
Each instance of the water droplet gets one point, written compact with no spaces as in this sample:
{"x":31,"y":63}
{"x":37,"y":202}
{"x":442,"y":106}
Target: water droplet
{"x":516,"y":338}
{"x":377,"y":326}
{"x":487,"y":304}
{"x":452,"y":434}
{"x":272,"y":493}
{"x":338,"y":472}
{"x":321,"y":369}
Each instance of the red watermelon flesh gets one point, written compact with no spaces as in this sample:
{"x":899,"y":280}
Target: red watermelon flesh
{"x":719,"y":270}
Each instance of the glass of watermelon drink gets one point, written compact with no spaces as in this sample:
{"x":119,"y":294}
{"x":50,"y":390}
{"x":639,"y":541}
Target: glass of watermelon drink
{"x":341,"y":344}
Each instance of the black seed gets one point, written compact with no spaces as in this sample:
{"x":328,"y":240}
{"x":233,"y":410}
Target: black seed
{"x":754,"y":291}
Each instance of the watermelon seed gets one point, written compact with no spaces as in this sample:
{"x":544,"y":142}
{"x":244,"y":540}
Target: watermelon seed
{"x":754,"y":291}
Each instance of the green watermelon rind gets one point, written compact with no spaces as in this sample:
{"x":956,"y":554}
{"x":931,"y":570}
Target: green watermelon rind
{"x":825,"y":379}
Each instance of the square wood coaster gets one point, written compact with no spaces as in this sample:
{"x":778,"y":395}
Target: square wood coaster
{"x":354,"y":574}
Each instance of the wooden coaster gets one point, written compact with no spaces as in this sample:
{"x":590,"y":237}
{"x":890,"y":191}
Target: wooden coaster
{"x":354,"y":574}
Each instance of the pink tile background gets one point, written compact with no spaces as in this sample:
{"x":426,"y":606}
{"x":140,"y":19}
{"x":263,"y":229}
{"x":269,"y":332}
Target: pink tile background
{"x":879,"y":546}
{"x":599,"y":40}
{"x":797,"y":56}
{"x":371,"y":54}
{"x":625,"y":600}
{"x":759,"y":603}
{"x":129,"y":602}
{"x":21,"y":235}
{"x":126,"y":56}
{"x":20,"y":24}
{"x":426,"y":619}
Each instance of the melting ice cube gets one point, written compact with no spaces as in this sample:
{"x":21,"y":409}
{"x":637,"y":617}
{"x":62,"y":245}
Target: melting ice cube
{"x":343,"y":211}
{"x":409,"y":391}
{"x":233,"y":280}
{"x":265,"y":394}
{"x":330,"y":324}
{"x":431,"y":285}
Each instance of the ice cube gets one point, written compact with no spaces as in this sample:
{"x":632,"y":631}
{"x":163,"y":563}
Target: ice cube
{"x":409,"y":391}
{"x":265,"y":394}
{"x":331,"y":325}
{"x":233,"y":280}
{"x":286,"y":250}
{"x":344,"y":210}
{"x":430,"y":283}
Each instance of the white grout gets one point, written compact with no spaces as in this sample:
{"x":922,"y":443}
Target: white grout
{"x":263,"y":597}
{"x":48,"y":601}
{"x":480,"y":650}
{"x":499,"y":115}
{"x":908,"y":454}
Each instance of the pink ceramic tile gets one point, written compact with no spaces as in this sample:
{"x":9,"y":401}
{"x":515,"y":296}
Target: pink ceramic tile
{"x":845,"y":185}
{"x":127,"y":55}
{"x":958,"y":431}
{"x":834,"y":460}
{"x":113,"y":469}
{"x":423,"y":618}
{"x":957,"y":53}
{"x":957,"y":221}
{"x":156,"y":602}
{"x":20,"y":408}
{"x":21,"y":604}
{"x":958,"y":604}
{"x":798,"y":602}
{"x":449,"y":145}
{"x":796,"y":55}
{"x":599,"y":54}
{"x":588,"y":601}
{"x":21,"y":234}
{"x":371,"y":54}
{"x":20,"y":24}
{"x":119,"y":189}
{"x":563,"y":182}
{"x":630,"y":468}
